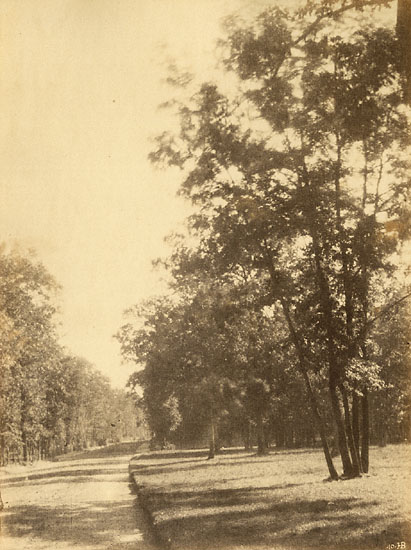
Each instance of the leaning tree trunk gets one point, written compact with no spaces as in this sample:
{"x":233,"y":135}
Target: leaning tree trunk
{"x":313,"y":400}
{"x":327,"y":453}
{"x":327,"y":310}
{"x":299,"y":347}
{"x":351,"y":423}
{"x":339,"y":421}
{"x":356,"y":465}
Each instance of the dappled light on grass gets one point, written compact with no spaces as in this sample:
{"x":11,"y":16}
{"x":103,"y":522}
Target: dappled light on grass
{"x":277,"y":501}
{"x":132,"y":537}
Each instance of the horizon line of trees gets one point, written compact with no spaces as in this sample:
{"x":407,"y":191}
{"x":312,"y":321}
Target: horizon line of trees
{"x":289,"y":315}
{"x":51,"y":402}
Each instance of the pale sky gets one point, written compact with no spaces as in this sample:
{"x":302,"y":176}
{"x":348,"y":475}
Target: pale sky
{"x":80,"y":84}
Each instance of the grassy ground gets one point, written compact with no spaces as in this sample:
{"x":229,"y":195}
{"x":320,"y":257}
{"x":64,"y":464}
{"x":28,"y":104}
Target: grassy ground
{"x":278,"y":501}
{"x":125,"y":448}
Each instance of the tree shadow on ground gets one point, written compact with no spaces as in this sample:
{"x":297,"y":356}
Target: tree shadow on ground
{"x":222,"y":452}
{"x":128,"y":448}
{"x":217,"y":497}
{"x":65,"y":469}
{"x":203,"y":453}
{"x":95,"y":525}
{"x":345,"y":524}
{"x":165,"y":468}
{"x":189,"y":465}
{"x":74,"y":476}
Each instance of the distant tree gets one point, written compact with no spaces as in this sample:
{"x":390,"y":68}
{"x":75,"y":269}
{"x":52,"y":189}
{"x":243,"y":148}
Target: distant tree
{"x":390,"y":349}
{"x":147,"y":340}
{"x":94,"y":413}
{"x":27,"y":292}
{"x":178,"y":348}
{"x":50,"y":402}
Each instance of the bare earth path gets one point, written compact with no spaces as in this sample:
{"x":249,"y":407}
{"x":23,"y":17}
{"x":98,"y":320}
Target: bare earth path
{"x":84,"y":502}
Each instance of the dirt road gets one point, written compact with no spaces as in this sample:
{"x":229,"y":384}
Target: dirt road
{"x":84,"y":503}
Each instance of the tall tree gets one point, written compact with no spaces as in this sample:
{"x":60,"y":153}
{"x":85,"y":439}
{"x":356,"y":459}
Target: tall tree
{"x":27,"y":294}
{"x":49,"y":402}
{"x":273,"y":171}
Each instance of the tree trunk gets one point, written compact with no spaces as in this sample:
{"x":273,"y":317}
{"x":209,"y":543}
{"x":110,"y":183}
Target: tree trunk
{"x":352,"y":426}
{"x":356,"y":420}
{"x":365,"y":441}
{"x":25,"y":449}
{"x":313,"y":400}
{"x":342,"y":436}
{"x":299,"y":347}
{"x":334,"y":363}
{"x":267,"y":436}
{"x":382,"y":433}
{"x":328,"y":458}
{"x":246,"y":432}
{"x":261,"y":444}
{"x":356,"y":466}
{"x":211,"y":451}
{"x":2,"y":452}
{"x":279,"y":432}
{"x":404,"y":38}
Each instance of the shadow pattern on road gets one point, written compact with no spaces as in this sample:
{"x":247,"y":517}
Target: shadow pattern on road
{"x":117,"y":522}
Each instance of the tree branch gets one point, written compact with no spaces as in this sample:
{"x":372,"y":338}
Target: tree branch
{"x":332,"y":14}
{"x":386,"y":309}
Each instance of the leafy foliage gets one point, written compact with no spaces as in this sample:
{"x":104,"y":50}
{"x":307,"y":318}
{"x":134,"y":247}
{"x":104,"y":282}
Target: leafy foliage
{"x":300,"y":176}
{"x":50,"y":402}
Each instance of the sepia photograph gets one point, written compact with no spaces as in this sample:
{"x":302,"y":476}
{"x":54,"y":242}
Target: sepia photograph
{"x":205,"y":275}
